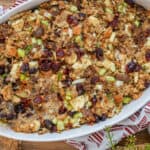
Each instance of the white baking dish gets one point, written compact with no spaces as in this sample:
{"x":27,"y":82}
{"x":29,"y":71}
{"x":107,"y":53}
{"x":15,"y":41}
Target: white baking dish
{"x":83,"y":130}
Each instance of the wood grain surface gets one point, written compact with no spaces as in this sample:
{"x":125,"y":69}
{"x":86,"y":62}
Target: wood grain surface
{"x":8,"y":144}
{"x":142,"y":139}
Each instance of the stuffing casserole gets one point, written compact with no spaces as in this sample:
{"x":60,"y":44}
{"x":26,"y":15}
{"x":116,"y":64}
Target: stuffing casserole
{"x":72,"y":62}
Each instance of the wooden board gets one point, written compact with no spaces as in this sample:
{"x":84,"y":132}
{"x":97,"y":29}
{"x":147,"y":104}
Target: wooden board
{"x":142,"y":139}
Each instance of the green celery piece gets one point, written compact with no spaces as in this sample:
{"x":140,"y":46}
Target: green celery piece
{"x":21,"y":52}
{"x":127,"y":100}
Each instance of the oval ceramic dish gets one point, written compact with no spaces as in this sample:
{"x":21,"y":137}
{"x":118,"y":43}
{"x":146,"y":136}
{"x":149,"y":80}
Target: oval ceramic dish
{"x":72,"y":133}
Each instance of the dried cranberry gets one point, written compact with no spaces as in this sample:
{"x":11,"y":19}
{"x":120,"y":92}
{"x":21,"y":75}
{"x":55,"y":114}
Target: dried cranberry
{"x":94,"y":99}
{"x":38,"y":32}
{"x":82,"y":16}
{"x":20,"y":108}
{"x":147,"y":84}
{"x":60,"y":53}
{"x":62,"y":110}
{"x":29,"y":114}
{"x":1,"y":99}
{"x":130,"y":2}
{"x":72,"y":20}
{"x":72,"y":113}
{"x":45,"y":65}
{"x":26,"y":102}
{"x":33,"y":70}
{"x":3,"y":116}
{"x":79,"y":52}
{"x":132,"y":67}
{"x":2,"y":69}
{"x":38,"y":100}
{"x":48,"y":124}
{"x":6,"y":81}
{"x":47,"y":53}
{"x":55,"y":66}
{"x":98,"y":118}
{"x":57,"y":32}
{"x":9,"y":60}
{"x":147,"y":55}
{"x":11,"y":116}
{"x":94,"y":79}
{"x":67,"y":82}
{"x":15,"y":86}
{"x":103,"y":117}
{"x":114,"y":22}
{"x":2,"y":40}
{"x":99,"y":53}
{"x":59,"y":97}
{"x":66,"y":71}
{"x":25,"y":67}
{"x":80,"y":89}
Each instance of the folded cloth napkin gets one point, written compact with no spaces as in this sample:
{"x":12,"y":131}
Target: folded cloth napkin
{"x":100,"y":140}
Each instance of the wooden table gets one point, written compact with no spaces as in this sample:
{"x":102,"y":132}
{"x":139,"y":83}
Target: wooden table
{"x":142,"y":138}
{"x":8,"y":144}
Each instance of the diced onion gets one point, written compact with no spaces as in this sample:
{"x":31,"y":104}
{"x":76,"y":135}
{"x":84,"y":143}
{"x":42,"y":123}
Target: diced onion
{"x":78,"y":81}
{"x":119,"y":83}
{"x":99,"y":87}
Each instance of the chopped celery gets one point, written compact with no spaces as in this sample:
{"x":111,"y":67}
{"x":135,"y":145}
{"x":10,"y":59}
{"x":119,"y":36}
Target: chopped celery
{"x":4,"y":75}
{"x":28,"y":49}
{"x":109,"y":65}
{"x":66,"y":120}
{"x":110,"y":97}
{"x":39,"y":41}
{"x":21,"y":52}
{"x":68,"y":95}
{"x":126,"y":100}
{"x":67,"y":105}
{"x":110,"y":47}
{"x":122,"y":8}
{"x":78,"y":39}
{"x":88,"y":104}
{"x":78,"y":115}
{"x":60,"y":125}
{"x":110,"y":79}
{"x":137,"y":23}
{"x":75,"y":122}
{"x":33,"y":40}
{"x":45,"y":22}
{"x":146,"y":67}
{"x":98,"y":44}
{"x":23,"y":77}
{"x":108,"y":10}
{"x":59,"y":76}
{"x":54,"y":121}
{"x":102,"y":71}
{"x":73,"y":8}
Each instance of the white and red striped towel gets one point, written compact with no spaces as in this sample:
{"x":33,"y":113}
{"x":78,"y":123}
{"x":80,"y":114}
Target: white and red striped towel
{"x":99,"y":140}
